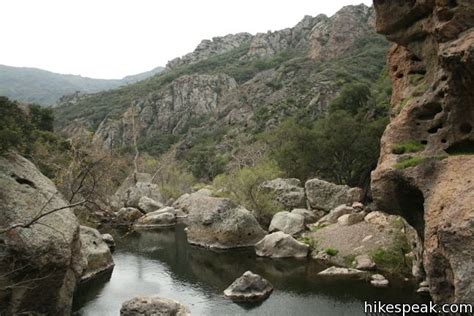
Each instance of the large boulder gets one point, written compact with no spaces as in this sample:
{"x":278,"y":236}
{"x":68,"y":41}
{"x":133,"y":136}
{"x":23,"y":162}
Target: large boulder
{"x":96,"y":252}
{"x":218,"y":222}
{"x":127,"y":216}
{"x":153,"y":306}
{"x":288,"y":192}
{"x":281,"y":245}
{"x":310,"y":216}
{"x":164,"y":217}
{"x":323,"y":195}
{"x":430,"y":184}
{"x":134,"y":188}
{"x":287,"y":222}
{"x":45,"y":256}
{"x":110,"y":241}
{"x":148,"y":205}
{"x":250,"y":287}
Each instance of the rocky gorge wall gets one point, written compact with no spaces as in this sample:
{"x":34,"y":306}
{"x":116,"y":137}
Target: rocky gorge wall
{"x":426,"y":166}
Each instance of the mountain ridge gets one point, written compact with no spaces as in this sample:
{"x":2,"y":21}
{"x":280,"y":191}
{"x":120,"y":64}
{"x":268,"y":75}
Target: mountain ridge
{"x":35,"y":85}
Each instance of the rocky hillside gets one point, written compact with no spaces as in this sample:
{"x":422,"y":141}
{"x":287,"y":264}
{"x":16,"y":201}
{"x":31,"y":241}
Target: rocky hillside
{"x":235,"y":85}
{"x":33,"y":85}
{"x":426,"y":166}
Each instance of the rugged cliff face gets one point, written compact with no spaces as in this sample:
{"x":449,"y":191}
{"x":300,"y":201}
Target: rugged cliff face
{"x":237,"y":83}
{"x":426,"y":167}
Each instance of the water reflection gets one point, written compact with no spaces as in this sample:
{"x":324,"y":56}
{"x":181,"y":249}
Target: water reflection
{"x":162,"y":263}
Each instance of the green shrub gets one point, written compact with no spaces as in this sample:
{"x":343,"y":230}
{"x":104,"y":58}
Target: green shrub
{"x":312,"y":243}
{"x":243,"y":186}
{"x":331,"y":251}
{"x":415,"y":161}
{"x":391,"y":260}
{"x":409,"y":147}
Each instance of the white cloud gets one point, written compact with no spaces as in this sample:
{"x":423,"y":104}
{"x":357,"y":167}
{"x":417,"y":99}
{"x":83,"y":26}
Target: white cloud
{"x":114,"y":38}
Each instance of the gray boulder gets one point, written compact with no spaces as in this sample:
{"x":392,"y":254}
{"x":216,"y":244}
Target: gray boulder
{"x":288,"y":192}
{"x":351,"y":219}
{"x":128,"y":215}
{"x":342,"y":272}
{"x":309,"y":216}
{"x":133,"y":188}
{"x":153,"y":306}
{"x":378,"y":280}
{"x":46,"y":255}
{"x":364,"y":262}
{"x":323,"y":195}
{"x":96,"y":252}
{"x":287,"y":222}
{"x":218,"y":223}
{"x":281,"y":245}
{"x":109,"y":240}
{"x":334,"y":214}
{"x":148,"y":205}
{"x":164,"y":217}
{"x":249,"y":287}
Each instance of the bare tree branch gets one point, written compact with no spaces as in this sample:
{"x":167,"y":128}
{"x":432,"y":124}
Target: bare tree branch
{"x":38,"y":217}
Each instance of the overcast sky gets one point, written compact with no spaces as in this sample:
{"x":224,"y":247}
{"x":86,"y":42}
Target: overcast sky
{"x":115,"y":38}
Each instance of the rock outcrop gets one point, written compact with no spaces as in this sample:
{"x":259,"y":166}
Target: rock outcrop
{"x":218,"y":222}
{"x":40,"y":264}
{"x":250,"y":287}
{"x":169,"y":110}
{"x":152,"y":306}
{"x":334,"y":36}
{"x":208,"y":48}
{"x":426,"y":163}
{"x":237,"y":84}
{"x":96,"y":253}
{"x":323,"y":195}
{"x":382,"y":241}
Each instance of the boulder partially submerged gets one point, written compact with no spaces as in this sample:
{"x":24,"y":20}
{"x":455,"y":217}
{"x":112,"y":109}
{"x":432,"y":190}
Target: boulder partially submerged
{"x":148,"y":205}
{"x":250,"y":287}
{"x":127,"y":216}
{"x":281,"y":245}
{"x":153,"y":306}
{"x":341,"y":272}
{"x":218,"y":222}
{"x":165,"y":217}
{"x":96,"y":252}
{"x":378,"y":280}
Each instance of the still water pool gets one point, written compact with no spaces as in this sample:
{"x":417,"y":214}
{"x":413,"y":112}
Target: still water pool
{"x":162,"y":263}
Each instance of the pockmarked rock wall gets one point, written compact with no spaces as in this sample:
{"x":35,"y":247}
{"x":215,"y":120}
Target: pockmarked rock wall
{"x":426,"y":167}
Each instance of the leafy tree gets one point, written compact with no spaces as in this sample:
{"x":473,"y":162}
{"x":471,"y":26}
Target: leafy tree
{"x":42,"y":118}
{"x":351,"y":98}
{"x":15,"y":128}
{"x":243,"y":186}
